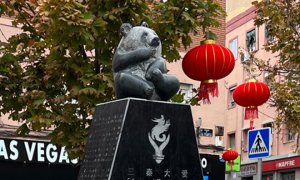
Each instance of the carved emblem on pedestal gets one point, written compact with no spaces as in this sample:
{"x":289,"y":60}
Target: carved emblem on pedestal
{"x":159,"y":137}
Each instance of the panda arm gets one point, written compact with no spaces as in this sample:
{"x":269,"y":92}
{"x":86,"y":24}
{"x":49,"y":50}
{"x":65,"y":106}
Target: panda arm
{"x":122,"y":60}
{"x":155,"y":68}
{"x":160,"y":64}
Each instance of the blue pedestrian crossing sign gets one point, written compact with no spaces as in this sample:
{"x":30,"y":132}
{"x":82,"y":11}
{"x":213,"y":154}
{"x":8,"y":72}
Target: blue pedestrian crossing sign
{"x":259,"y":143}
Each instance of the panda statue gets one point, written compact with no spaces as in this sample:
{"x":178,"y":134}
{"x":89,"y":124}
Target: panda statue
{"x":138,"y":67}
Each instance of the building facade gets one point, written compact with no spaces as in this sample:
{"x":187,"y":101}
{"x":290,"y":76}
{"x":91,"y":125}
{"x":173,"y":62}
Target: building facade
{"x":243,"y":37}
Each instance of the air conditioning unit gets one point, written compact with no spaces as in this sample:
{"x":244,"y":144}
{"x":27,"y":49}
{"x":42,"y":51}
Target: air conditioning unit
{"x":218,"y":141}
{"x":245,"y":57}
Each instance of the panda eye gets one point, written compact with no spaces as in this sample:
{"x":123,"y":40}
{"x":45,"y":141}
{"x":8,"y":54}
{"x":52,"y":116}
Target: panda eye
{"x":145,"y":34}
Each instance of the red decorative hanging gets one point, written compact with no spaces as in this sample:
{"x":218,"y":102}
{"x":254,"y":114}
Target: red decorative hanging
{"x":230,"y":155}
{"x":250,"y":95}
{"x":208,"y":63}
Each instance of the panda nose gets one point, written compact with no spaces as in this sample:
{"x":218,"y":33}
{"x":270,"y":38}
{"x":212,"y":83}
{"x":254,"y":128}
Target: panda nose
{"x":155,"y":42}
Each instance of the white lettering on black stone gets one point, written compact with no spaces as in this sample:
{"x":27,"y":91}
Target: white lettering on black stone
{"x":29,"y":150}
{"x":3,"y":151}
{"x":74,"y":161}
{"x":13,"y":148}
{"x":33,"y":151}
{"x":51,"y":153}
{"x":203,"y":162}
{"x":40,"y":152}
{"x":63,"y":156}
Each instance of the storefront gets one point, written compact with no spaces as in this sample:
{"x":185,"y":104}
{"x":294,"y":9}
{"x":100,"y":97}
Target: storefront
{"x":213,"y":167}
{"x":284,"y":169}
{"x":35,"y":160}
{"x":247,"y":171}
{"x":287,"y":168}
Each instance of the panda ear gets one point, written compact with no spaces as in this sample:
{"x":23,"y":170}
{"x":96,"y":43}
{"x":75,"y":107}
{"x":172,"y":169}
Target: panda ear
{"x":125,"y":28}
{"x":144,"y":24}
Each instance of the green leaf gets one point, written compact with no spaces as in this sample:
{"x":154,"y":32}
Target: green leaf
{"x":179,"y":98}
{"x":39,"y":101}
{"x":88,"y":91}
{"x":194,"y":101}
{"x":23,"y":130}
{"x":188,"y":17}
{"x":99,"y":23}
{"x":88,"y":17}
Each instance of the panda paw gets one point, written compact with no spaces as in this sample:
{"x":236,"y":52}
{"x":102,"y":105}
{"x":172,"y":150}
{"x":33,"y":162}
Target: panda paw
{"x":148,"y":91}
{"x":155,"y":76}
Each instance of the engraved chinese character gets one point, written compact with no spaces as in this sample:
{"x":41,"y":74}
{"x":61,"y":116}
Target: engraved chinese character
{"x":167,"y":173}
{"x":130,"y":171}
{"x":184,"y":173}
{"x":149,"y":172}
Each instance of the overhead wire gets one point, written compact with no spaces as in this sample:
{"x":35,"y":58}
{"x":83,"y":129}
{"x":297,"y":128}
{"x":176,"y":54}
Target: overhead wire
{"x":3,"y":34}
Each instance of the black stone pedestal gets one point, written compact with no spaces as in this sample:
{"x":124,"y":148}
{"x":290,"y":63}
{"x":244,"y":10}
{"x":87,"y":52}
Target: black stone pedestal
{"x":141,"y":139}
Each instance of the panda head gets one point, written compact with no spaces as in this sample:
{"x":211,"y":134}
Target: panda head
{"x":139,"y":36}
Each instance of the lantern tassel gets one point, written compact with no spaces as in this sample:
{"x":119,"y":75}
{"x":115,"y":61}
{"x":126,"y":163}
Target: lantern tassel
{"x":251,"y":124}
{"x":231,"y":163}
{"x":251,"y":112}
{"x":206,"y":88}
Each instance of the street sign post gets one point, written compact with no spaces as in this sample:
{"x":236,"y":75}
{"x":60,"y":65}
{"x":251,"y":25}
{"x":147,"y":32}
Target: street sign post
{"x":259,"y":143}
{"x":259,"y":146}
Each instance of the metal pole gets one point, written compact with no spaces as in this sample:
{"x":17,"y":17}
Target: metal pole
{"x":259,"y":169}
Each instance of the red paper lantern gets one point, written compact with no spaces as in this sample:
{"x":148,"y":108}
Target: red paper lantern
{"x":230,"y":155}
{"x":208,"y":63}
{"x":250,"y":95}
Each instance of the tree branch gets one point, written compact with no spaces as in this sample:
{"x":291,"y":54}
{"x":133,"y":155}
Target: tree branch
{"x":30,"y":8}
{"x":82,"y":51}
{"x":97,"y":59}
{"x":19,"y":10}
{"x":289,"y":16}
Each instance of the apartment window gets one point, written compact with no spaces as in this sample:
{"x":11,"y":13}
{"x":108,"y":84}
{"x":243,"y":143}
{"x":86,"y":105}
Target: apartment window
{"x":231,"y":138}
{"x":282,"y":76}
{"x":233,"y":46}
{"x":288,"y":175}
{"x":289,"y":135}
{"x":231,"y":102}
{"x":187,"y":91}
{"x":267,"y":78}
{"x":268,"y":125}
{"x":251,"y":40}
{"x":268,"y":36}
{"x":245,"y":57}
